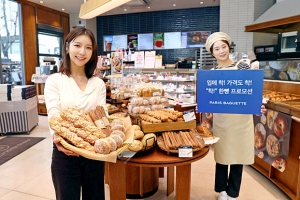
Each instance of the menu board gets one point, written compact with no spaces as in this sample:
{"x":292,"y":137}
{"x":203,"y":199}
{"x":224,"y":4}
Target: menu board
{"x":158,"y":41}
{"x":194,"y":39}
{"x":111,"y":43}
{"x":172,"y":40}
{"x":145,"y":41}
{"x":132,"y":41}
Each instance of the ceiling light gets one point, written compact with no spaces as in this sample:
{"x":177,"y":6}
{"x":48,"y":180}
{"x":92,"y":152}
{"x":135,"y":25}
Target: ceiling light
{"x":148,"y":7}
{"x":125,"y":9}
{"x":201,"y":2}
{"x":174,"y":4}
{"x":41,"y":1}
{"x":62,"y":9}
{"x":93,"y":8}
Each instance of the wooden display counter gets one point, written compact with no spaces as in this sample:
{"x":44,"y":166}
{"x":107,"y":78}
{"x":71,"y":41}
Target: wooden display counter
{"x":288,"y":180}
{"x":121,"y":183}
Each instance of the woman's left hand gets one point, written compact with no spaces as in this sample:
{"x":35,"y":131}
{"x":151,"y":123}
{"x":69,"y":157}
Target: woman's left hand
{"x":263,"y":109}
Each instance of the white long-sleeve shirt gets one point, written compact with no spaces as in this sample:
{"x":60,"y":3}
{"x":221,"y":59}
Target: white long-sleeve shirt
{"x":62,"y":91}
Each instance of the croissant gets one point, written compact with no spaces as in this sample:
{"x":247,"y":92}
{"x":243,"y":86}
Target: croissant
{"x":149,"y":118}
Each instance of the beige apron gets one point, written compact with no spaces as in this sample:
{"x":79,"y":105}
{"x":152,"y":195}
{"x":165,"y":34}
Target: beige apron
{"x":236,"y":133}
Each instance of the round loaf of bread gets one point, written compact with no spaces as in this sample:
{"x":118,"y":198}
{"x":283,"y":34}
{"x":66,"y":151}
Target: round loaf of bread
{"x":136,"y":127}
{"x":113,"y":144}
{"x":102,"y":146}
{"x":118,"y":127}
{"x":149,"y":140}
{"x":135,"y":146}
{"x":118,"y":140}
{"x":116,"y":122}
{"x":138,"y":135}
{"x":119,"y":133}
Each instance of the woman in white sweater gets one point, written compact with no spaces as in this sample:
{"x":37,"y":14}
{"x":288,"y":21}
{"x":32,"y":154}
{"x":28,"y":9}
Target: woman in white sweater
{"x":75,"y":85}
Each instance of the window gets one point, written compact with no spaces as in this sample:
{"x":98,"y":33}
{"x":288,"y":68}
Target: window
{"x":49,"y":46}
{"x":11,"y":66}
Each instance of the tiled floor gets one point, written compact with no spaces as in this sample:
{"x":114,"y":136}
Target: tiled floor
{"x":28,"y":176}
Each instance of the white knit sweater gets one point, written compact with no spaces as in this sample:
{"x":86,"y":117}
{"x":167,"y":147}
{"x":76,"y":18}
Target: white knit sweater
{"x":62,"y":91}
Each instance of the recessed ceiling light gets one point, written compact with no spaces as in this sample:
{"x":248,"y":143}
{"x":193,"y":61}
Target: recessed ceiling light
{"x":62,"y":9}
{"x":41,"y":1}
{"x":125,"y":9}
{"x":148,"y":7}
{"x":201,"y":2}
{"x":174,"y":4}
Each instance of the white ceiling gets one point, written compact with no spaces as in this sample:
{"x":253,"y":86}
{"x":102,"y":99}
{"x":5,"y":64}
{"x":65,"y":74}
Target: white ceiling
{"x":73,"y":6}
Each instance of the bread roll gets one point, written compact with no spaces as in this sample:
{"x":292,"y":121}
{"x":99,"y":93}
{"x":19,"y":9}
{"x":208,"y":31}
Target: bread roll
{"x":113,"y":144}
{"x":118,"y":140}
{"x":119,"y":133}
{"x":136,"y":127}
{"x":118,"y":127}
{"x":138,"y":135}
{"x":136,"y":145}
{"x":116,"y":122}
{"x":102,"y":146}
{"x":149,"y":139}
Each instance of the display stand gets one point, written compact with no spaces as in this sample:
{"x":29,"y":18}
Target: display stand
{"x":119,"y":178}
{"x":18,"y":116}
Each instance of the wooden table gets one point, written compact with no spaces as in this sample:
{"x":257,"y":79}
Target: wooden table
{"x":155,"y":158}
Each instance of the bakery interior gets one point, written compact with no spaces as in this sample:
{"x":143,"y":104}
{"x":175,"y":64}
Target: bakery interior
{"x":165,"y":87}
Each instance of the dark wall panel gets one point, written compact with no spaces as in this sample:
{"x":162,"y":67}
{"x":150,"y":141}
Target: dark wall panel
{"x":193,"y":19}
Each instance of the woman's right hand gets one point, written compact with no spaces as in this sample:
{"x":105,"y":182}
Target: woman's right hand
{"x":61,"y":148}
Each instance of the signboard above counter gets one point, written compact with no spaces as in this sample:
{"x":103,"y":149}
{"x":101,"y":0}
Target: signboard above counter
{"x":158,"y":40}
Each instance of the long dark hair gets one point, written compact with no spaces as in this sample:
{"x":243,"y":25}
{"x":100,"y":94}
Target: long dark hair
{"x":65,"y":67}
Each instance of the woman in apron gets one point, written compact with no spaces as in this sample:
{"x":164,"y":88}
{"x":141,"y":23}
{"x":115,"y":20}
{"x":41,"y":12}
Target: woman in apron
{"x":236,"y":131}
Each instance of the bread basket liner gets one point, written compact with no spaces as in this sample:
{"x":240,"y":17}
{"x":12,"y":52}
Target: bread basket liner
{"x":112,"y":156}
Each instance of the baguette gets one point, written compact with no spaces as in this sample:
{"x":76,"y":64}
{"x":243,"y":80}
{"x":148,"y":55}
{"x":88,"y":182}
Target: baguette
{"x":167,"y":141}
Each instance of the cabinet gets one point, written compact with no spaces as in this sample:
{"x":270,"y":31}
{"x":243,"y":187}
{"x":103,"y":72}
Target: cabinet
{"x":42,"y":110}
{"x":204,"y":59}
{"x":288,"y":180}
{"x":178,"y":84}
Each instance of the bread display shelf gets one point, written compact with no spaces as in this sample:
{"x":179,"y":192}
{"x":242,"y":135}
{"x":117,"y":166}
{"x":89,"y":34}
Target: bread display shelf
{"x":291,"y":107}
{"x":167,"y":126}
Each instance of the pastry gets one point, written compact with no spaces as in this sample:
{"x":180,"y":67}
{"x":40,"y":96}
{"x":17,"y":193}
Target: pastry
{"x":280,"y":125}
{"x":271,"y":116}
{"x":272,"y":145}
{"x":118,"y":140}
{"x":102,"y":146}
{"x":119,"y":133}
{"x":149,"y":139}
{"x":258,"y":140}
{"x":136,"y":127}
{"x":118,"y":127}
{"x":138,"y":135}
{"x":280,"y":163}
{"x":113,"y":144}
{"x":136,"y":145}
{"x":116,"y":122}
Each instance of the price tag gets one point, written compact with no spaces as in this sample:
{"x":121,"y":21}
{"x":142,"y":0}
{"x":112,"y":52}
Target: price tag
{"x":265,"y":100}
{"x":189,"y":115}
{"x":169,"y":107}
{"x":185,"y":151}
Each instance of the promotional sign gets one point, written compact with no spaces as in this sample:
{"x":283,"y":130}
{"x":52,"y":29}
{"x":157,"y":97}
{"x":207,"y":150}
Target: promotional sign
{"x":230,"y":91}
{"x":139,"y":59}
{"x":116,"y":63}
{"x":272,"y":138}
